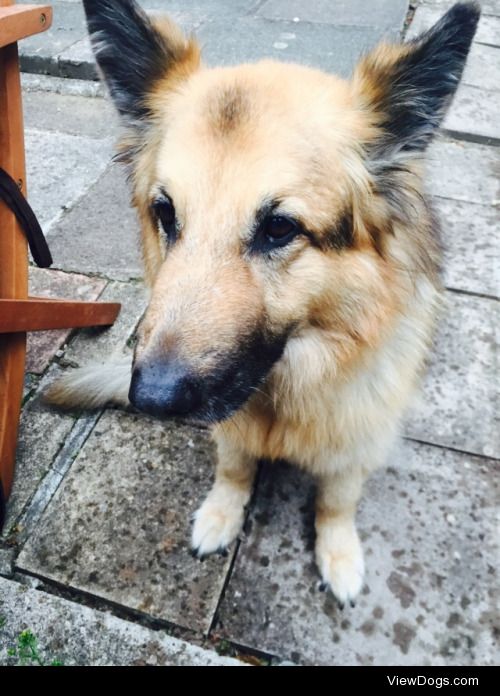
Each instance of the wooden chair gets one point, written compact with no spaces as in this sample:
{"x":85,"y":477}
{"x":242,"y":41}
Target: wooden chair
{"x":18,"y":312}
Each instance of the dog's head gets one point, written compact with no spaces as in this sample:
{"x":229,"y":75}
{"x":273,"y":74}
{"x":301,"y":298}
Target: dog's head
{"x":268,"y":195}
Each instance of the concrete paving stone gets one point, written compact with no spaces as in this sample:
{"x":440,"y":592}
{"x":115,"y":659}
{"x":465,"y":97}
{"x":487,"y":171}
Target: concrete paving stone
{"x":472,"y":249}
{"x":336,"y":49}
{"x":6,"y":563}
{"x":475,"y":112}
{"x":30,"y":384}
{"x":60,"y":168}
{"x":228,"y":29}
{"x":428,"y":525}
{"x":488,"y":7}
{"x":99,"y":343}
{"x":384,"y":14}
{"x":77,"y":61}
{"x":212,"y":8}
{"x":65,"y":50}
{"x":100,"y":233}
{"x":75,"y":115}
{"x":488,"y":30}
{"x":78,"y":635}
{"x":119,"y":525}
{"x":42,"y":432}
{"x":42,"y":345}
{"x":464,"y":171}
{"x":54,"y":476}
{"x":483,"y":67}
{"x":460,"y":398}
{"x":190,"y":14}
{"x":61,"y":85}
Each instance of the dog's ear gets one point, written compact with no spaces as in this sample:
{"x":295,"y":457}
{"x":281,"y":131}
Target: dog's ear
{"x":406,"y":89}
{"x":135,"y":53}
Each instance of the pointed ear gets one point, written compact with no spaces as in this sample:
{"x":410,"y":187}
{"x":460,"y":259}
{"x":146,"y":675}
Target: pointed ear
{"x":134,"y":53}
{"x":407,"y":89}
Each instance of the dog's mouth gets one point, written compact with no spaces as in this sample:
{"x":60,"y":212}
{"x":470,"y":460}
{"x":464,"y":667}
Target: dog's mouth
{"x":169,"y":388}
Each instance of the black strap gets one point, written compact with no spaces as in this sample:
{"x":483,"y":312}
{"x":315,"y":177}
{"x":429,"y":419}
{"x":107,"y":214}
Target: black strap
{"x":26,"y":218}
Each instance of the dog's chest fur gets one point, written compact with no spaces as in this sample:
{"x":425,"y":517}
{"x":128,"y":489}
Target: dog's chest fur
{"x":318,"y":418}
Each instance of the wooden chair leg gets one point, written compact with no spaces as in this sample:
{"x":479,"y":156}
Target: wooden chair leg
{"x":13,"y":261}
{"x":12,"y":360}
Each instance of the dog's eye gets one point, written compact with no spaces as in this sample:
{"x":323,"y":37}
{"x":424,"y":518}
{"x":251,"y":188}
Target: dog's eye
{"x":164,"y":211}
{"x":276,"y":231}
{"x":279,"y":228}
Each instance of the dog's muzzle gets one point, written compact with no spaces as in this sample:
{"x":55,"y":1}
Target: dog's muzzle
{"x":165,"y":389}
{"x":168,"y":386}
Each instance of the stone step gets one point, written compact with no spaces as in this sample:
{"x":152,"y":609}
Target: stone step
{"x":72,"y":634}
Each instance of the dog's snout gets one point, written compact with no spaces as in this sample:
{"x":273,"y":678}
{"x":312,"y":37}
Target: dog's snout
{"x":165,"y":389}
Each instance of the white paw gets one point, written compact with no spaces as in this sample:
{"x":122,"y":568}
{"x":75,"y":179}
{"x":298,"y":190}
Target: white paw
{"x":340,"y":561}
{"x":216,"y":524}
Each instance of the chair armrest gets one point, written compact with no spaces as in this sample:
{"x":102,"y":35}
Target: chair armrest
{"x":19,"y":21}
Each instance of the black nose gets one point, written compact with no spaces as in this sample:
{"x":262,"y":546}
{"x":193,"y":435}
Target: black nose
{"x":164,"y":389}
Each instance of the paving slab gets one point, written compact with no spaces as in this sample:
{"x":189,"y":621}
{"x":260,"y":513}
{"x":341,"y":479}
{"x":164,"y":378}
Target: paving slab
{"x":71,"y":114}
{"x":428,"y":525}
{"x":61,"y":85}
{"x":483,"y":67}
{"x":43,"y":345}
{"x":60,"y":168}
{"x":474,"y":115}
{"x":30,"y":383}
{"x":42,"y":433}
{"x":211,"y":8}
{"x":6,"y":563}
{"x":64,"y":49}
{"x":100,"y":233}
{"x":77,"y":61}
{"x":460,"y":398}
{"x":488,"y":30}
{"x":471,"y":247}
{"x":488,"y":7}
{"x":119,"y":525}
{"x":190,"y":14}
{"x":464,"y":171}
{"x":385,"y":14}
{"x":78,"y":635}
{"x":332,"y":48}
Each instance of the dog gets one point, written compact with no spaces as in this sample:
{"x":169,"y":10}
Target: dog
{"x":292,"y":256}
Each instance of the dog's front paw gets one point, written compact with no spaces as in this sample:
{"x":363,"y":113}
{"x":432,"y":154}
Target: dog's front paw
{"x":217,"y":523}
{"x":340,"y":561}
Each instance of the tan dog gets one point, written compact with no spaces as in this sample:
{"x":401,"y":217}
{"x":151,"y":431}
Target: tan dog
{"x":292,"y":257}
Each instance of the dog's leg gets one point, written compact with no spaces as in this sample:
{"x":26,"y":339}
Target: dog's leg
{"x":338,"y":549}
{"x":219,"y":520}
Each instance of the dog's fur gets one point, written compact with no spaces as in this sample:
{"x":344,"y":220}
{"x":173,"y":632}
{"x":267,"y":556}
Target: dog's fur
{"x":310,"y":349}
